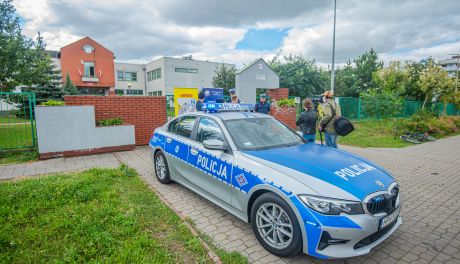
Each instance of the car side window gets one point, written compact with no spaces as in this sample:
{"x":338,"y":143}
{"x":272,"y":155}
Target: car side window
{"x":173,"y":126}
{"x":185,"y":126}
{"x":208,"y":129}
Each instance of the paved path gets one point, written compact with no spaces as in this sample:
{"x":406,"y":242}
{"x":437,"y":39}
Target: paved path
{"x":429,"y":175}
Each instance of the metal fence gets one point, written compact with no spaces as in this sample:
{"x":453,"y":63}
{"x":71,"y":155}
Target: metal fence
{"x":17,"y":122}
{"x":352,"y":108}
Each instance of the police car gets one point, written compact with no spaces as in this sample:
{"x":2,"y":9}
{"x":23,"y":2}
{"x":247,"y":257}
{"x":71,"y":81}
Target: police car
{"x":297,"y":196}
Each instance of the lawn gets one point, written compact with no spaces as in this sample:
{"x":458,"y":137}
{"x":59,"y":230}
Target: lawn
{"x":373,"y":133}
{"x":15,"y":136}
{"x":99,"y":215}
{"x":8,"y":157}
{"x":9,"y":119}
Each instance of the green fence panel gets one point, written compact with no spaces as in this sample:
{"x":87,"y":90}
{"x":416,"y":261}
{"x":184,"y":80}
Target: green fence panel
{"x":17,"y":122}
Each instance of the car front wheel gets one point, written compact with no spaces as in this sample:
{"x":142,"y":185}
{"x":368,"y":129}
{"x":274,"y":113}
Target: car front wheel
{"x":161,"y":168}
{"x":275,"y":225}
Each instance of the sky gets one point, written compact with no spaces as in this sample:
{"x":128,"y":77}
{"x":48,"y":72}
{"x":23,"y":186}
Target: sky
{"x":240,"y":31}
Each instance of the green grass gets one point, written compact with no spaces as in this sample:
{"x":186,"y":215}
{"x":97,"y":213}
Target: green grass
{"x":100,"y":215}
{"x":15,"y":136}
{"x":373,"y":133}
{"x":8,"y":119}
{"x":7,"y":157}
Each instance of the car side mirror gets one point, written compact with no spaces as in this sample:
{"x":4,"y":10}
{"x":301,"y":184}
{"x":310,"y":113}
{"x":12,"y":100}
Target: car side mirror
{"x":215,"y":144}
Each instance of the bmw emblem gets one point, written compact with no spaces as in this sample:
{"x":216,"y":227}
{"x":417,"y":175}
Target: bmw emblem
{"x":380,"y":184}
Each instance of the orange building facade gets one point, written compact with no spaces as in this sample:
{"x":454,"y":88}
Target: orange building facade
{"x":89,"y":65}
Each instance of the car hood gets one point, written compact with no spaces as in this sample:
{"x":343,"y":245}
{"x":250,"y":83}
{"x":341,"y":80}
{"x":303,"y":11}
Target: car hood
{"x":344,"y":170}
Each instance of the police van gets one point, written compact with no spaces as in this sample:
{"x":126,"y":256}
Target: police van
{"x":297,"y":196}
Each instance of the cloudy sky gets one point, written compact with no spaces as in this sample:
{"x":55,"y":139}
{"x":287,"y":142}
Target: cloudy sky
{"x":239,"y":31}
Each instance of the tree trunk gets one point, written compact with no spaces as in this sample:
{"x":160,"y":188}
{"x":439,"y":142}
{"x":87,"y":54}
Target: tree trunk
{"x":445,"y":107}
{"x":424,"y":102}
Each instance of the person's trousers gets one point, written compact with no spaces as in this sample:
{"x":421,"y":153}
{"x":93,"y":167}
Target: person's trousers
{"x":309,"y":137}
{"x":331,"y":139}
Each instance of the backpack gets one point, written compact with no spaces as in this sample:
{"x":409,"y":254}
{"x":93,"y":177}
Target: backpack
{"x":341,"y":125}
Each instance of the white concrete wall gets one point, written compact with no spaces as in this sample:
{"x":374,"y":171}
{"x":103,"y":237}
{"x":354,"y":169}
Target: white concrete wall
{"x":157,"y":84}
{"x":68,"y":128}
{"x":133,"y":85}
{"x":257,"y":75}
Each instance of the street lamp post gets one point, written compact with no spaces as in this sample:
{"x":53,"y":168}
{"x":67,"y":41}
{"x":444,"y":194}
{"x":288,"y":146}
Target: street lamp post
{"x":333,"y":52}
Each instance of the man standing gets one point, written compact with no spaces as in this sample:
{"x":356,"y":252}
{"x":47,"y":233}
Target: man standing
{"x":199,"y":103}
{"x":232,"y":94}
{"x":330,"y":113}
{"x":263,"y":106}
{"x":307,"y":121}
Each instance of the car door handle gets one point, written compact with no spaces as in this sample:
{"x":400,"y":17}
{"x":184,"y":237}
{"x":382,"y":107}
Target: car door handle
{"x":169,"y":140}
{"x":194,"y":151}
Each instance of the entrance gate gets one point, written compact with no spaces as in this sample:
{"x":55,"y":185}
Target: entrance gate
{"x":17,"y":122}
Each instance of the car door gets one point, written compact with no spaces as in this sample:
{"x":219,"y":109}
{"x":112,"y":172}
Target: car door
{"x":211,"y":169}
{"x":177,"y":145}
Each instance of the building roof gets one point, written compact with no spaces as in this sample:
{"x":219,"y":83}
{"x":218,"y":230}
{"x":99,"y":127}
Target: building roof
{"x":86,"y":39}
{"x":254,"y":62}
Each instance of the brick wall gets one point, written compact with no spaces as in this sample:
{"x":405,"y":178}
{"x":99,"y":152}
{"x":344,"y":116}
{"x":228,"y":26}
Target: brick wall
{"x":144,"y":112}
{"x":284,"y":114}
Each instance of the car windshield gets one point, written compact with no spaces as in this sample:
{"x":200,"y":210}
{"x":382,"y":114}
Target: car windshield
{"x":261,"y":133}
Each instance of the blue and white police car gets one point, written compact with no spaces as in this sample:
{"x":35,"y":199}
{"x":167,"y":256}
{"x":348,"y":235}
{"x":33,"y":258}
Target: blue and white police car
{"x":297,"y":196}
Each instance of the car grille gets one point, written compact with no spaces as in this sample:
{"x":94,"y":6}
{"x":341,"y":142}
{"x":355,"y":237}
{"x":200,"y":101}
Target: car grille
{"x":384,"y":203}
{"x":374,"y":237}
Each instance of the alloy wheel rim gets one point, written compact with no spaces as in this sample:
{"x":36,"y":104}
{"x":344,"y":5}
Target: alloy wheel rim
{"x":160,"y":167}
{"x":274,"y":225}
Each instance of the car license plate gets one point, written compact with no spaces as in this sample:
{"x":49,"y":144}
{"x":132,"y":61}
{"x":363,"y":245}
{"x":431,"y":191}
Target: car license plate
{"x":387,"y":220}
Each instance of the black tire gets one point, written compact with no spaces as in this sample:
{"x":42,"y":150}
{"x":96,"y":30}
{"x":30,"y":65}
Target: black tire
{"x":165,"y":178}
{"x":295,"y":244}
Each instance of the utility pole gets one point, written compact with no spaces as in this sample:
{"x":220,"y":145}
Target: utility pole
{"x":333,"y":52}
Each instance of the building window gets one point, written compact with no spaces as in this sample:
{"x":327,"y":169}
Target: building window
{"x":186,"y":70}
{"x":127,"y":76}
{"x":120,"y":75}
{"x":153,"y":75}
{"x":156,"y":93}
{"x":128,"y":92}
{"x":88,"y":69}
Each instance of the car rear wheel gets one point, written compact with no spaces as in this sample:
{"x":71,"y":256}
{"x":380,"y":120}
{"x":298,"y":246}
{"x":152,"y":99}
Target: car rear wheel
{"x":275,"y":225}
{"x":161,"y":168}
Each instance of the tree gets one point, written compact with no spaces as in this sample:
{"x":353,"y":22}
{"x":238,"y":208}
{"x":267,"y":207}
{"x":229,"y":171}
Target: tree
{"x":69,"y":88}
{"x":391,"y":79}
{"x":381,"y":104}
{"x":345,"y":83}
{"x":366,"y":65}
{"x":22,"y":61}
{"x":412,"y":87}
{"x":301,"y":76}
{"x":224,"y":78}
{"x":434,"y":82}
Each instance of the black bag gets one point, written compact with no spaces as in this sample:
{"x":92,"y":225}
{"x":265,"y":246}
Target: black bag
{"x":341,"y":125}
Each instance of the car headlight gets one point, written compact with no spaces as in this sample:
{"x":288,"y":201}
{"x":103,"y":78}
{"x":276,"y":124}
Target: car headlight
{"x":330,"y":206}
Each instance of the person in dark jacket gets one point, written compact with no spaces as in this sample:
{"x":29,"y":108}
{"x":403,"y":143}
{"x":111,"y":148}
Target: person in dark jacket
{"x":199,"y":103}
{"x":307,"y":121}
{"x":263,"y":106}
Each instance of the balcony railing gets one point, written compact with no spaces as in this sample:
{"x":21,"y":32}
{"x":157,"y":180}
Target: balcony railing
{"x":89,"y":78}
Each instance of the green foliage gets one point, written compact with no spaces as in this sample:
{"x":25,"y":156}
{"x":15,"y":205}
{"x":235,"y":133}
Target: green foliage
{"x":346,"y":81}
{"x":23,"y":61}
{"x":111,"y":122}
{"x":301,"y":76}
{"x":435,"y":82}
{"x":428,"y":122}
{"x":69,"y":88}
{"x":224,"y":78}
{"x":381,"y":104}
{"x":366,"y":65}
{"x":285,"y":102}
{"x":127,"y":171}
{"x":391,"y":79}
{"x":99,"y":215}
{"x":8,"y":157}
{"x":53,"y":103}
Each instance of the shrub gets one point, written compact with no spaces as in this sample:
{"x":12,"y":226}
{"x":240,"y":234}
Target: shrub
{"x":422,"y":122}
{"x":53,"y":103}
{"x":286,"y":102}
{"x":111,"y":122}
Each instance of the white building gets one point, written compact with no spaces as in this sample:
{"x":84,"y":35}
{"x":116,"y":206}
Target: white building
{"x":451,"y":65}
{"x":159,"y":77}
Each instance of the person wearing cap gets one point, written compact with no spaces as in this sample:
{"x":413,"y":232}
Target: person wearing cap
{"x":331,"y":111}
{"x":199,"y":103}
{"x":232,"y":94}
{"x":307,"y":121}
{"x":262,"y":106}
